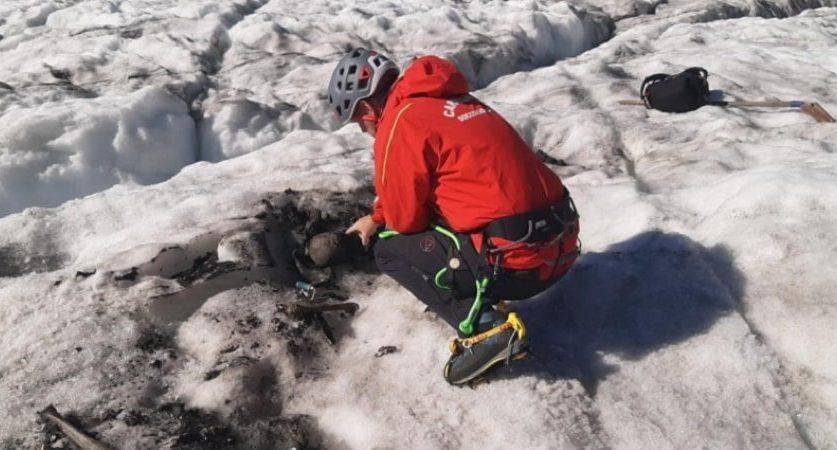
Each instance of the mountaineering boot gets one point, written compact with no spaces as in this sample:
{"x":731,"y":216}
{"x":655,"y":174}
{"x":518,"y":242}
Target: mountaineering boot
{"x":473,"y":356}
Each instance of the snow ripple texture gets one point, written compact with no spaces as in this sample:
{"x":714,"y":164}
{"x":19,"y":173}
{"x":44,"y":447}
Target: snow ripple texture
{"x":139,"y":137}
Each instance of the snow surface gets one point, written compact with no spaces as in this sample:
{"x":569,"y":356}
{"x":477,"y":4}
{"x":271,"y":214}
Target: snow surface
{"x":701,"y":313}
{"x":242,"y":75}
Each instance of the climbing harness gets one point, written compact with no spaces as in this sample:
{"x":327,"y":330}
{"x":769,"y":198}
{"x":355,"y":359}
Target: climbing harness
{"x":533,"y":229}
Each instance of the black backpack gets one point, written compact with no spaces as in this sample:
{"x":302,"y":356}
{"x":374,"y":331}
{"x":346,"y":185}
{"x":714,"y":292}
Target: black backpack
{"x":683,"y":92}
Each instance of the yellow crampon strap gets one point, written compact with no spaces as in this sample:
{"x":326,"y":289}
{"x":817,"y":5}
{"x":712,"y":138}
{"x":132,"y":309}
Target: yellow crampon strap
{"x":513,"y":321}
{"x":517,"y":324}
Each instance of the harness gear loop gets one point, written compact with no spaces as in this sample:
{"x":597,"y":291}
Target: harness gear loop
{"x":545,"y":227}
{"x":513,"y":244}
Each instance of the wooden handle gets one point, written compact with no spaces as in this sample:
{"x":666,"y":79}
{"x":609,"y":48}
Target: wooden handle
{"x":632,"y":102}
{"x":814,"y":110}
{"x":762,"y":104}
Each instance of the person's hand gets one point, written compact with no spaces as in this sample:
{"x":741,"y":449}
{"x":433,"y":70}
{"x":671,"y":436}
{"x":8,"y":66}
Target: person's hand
{"x":365,"y":227}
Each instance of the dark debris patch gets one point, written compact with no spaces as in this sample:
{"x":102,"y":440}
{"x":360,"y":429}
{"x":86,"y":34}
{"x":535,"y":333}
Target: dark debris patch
{"x":299,"y":216}
{"x":132,"y":417}
{"x":153,"y":339}
{"x":205,"y":267}
{"x":82,"y":274}
{"x":212,"y":374}
{"x":129,"y":275}
{"x":196,"y":429}
{"x":131,"y":34}
{"x":165,"y":424}
{"x":308,"y":213}
{"x":176,"y":426}
{"x":248,"y":324}
{"x":51,"y":434}
{"x":229,"y":349}
{"x":61,"y":74}
{"x":385,"y":350}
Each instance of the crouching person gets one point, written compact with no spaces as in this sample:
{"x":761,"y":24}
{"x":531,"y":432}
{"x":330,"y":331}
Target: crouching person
{"x":466,"y":214}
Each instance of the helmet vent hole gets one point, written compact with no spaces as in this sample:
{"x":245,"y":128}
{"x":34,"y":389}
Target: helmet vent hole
{"x":377,"y":61}
{"x":339,"y":110}
{"x":352,"y":69}
{"x":342,"y":70}
{"x":350,"y":86}
{"x":339,"y":85}
{"x":345,"y":104}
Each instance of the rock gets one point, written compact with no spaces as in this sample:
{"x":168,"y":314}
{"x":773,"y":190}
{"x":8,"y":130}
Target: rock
{"x":328,"y":249}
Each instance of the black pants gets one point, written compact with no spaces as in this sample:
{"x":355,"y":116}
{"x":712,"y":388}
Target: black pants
{"x":414,"y":260}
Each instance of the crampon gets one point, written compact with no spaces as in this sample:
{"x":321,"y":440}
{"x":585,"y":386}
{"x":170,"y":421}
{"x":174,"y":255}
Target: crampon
{"x":471,"y":358}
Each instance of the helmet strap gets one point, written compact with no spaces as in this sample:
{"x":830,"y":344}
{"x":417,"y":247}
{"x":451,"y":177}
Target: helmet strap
{"x":371,"y":112}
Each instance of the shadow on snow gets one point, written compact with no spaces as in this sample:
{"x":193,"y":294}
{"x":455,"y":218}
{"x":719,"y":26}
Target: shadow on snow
{"x":653,"y":290}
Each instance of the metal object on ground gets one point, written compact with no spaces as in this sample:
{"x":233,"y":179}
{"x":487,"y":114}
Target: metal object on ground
{"x":312,"y":293}
{"x":315,"y":301}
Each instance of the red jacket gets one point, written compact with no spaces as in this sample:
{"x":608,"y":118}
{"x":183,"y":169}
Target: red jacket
{"x":442,"y":154}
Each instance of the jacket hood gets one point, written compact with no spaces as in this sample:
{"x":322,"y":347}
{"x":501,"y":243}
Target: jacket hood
{"x":428,"y":76}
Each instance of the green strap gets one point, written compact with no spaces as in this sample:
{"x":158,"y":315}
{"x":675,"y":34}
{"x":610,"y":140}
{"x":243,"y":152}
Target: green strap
{"x":390,"y":233}
{"x":438,"y":279}
{"x":449,"y":234}
{"x":444,"y":270}
{"x":441,"y":273}
{"x":467,"y":325}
